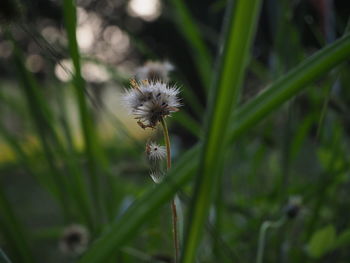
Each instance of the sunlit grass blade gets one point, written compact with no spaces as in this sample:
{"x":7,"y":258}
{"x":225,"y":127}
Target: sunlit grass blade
{"x":246,"y":118}
{"x":225,"y":92}
{"x":190,"y":31}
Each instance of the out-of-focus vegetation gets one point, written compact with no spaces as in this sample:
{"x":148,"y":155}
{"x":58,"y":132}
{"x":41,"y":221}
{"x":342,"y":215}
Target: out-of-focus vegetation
{"x":260,"y":146}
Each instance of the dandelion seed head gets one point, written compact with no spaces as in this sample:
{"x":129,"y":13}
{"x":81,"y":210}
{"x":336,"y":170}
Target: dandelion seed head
{"x":74,"y":240}
{"x":149,"y":102}
{"x":155,"y":151}
{"x":154,"y":71}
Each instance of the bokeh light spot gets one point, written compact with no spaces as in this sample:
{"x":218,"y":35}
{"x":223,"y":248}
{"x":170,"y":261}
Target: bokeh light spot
{"x":148,"y":10}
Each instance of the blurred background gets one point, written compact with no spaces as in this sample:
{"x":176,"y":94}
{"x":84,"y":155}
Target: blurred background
{"x":299,"y":153}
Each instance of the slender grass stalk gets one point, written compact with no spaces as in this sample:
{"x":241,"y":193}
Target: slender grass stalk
{"x":262,"y":236}
{"x":246,"y":117}
{"x":173,"y":205}
{"x":225,"y":93}
{"x":93,"y":153}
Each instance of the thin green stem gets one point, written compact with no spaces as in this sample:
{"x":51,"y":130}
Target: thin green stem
{"x":262,"y":236}
{"x":173,"y":205}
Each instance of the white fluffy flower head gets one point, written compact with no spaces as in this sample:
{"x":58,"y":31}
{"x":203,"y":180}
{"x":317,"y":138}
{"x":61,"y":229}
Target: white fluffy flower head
{"x":149,"y":102}
{"x":155,"y":152}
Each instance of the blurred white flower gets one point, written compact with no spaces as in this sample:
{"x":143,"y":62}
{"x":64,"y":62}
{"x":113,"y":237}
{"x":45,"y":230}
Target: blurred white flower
{"x":74,"y":240}
{"x":154,"y":70}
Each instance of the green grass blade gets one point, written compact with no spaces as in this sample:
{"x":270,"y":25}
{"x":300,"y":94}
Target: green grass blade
{"x":190,"y":31}
{"x":94,"y":154}
{"x":226,"y":90}
{"x":145,"y":207}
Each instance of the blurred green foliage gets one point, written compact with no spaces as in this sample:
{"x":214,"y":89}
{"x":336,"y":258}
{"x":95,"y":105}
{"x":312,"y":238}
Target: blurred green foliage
{"x":269,"y":120}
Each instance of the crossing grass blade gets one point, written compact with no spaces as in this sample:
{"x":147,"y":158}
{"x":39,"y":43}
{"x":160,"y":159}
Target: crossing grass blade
{"x":153,"y":199}
{"x":246,"y":118}
{"x":290,"y":84}
{"x":241,"y":23}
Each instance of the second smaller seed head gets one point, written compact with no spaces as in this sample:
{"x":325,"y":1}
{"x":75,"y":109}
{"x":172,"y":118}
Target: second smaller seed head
{"x":155,"y":152}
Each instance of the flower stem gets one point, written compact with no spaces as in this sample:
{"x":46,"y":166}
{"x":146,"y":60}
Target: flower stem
{"x":173,"y":205}
{"x":262,"y":236}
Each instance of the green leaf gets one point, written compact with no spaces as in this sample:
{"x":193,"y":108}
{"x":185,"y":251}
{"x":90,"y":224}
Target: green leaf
{"x":342,"y":240}
{"x":322,"y":241}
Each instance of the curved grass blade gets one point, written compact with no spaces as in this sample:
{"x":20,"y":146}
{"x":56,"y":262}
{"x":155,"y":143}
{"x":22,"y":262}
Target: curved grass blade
{"x":246,"y":117}
{"x":241,"y":26}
